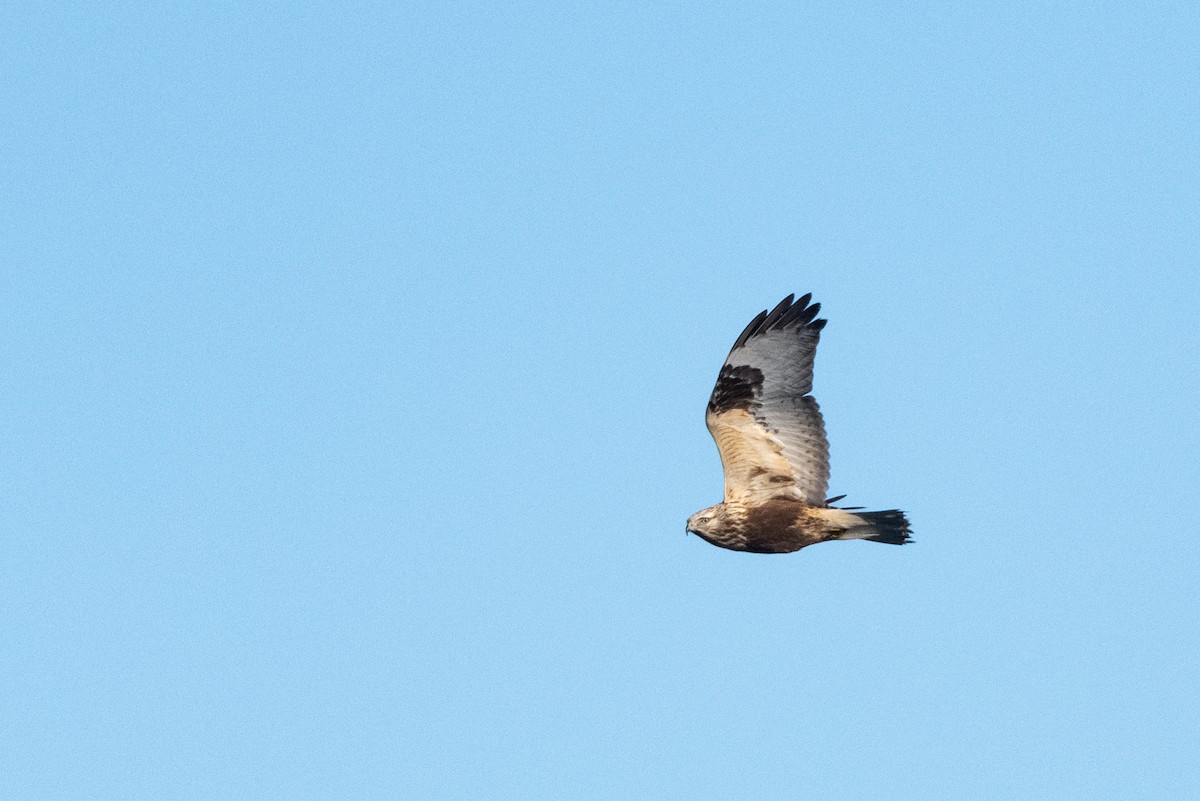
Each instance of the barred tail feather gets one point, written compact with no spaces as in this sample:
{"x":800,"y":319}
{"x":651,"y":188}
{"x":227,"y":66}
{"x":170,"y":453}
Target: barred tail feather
{"x":890,"y":526}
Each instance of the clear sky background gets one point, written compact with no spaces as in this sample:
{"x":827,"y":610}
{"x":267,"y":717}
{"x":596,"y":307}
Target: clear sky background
{"x":354,"y":366}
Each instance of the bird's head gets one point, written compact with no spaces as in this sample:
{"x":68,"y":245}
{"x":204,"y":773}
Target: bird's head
{"x":707,"y":522}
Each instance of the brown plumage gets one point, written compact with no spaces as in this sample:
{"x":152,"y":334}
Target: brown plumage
{"x":771,"y":438}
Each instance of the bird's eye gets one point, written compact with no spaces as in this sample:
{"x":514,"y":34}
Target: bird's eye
{"x":704,"y":520}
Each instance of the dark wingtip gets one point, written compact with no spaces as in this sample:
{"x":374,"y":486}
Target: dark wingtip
{"x":789,"y":313}
{"x":751,"y":329}
{"x":777,"y":314}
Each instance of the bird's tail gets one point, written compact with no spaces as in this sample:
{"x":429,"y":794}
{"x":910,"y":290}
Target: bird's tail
{"x":890,"y":526}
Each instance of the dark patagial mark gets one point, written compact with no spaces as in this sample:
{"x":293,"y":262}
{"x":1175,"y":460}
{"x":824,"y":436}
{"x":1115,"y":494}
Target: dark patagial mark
{"x":737,"y":388}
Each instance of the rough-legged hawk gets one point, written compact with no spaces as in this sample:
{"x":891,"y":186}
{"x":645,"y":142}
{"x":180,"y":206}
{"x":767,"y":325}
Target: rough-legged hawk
{"x":773,"y":448}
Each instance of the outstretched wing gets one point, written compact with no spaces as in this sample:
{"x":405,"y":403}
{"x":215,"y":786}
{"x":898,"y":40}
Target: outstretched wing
{"x":767,"y":427}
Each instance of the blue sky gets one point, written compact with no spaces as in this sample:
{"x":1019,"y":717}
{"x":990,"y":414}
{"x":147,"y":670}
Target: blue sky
{"x":355,"y":361}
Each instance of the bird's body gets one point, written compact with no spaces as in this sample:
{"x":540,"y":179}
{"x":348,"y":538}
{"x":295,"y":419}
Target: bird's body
{"x":782,"y":525}
{"x":771,"y":438}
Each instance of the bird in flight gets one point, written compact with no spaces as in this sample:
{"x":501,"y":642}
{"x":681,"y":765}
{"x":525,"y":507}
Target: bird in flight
{"x":773,"y":448}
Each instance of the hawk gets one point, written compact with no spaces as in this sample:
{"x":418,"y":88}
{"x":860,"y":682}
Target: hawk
{"x":772,"y":442}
